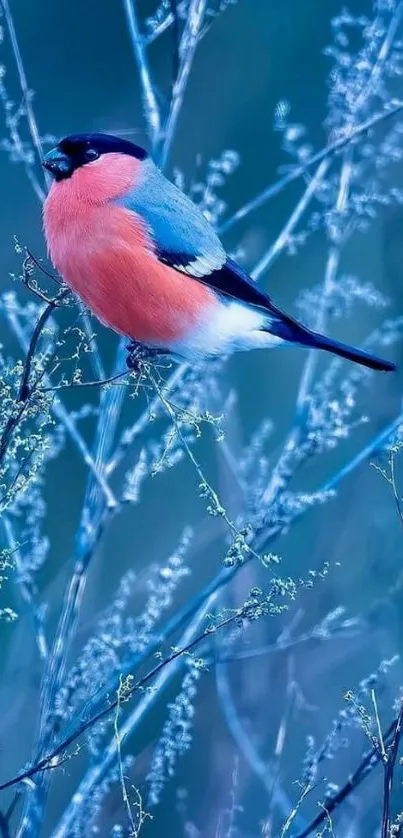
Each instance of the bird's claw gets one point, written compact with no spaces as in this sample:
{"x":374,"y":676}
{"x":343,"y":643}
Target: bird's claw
{"x":137,"y":354}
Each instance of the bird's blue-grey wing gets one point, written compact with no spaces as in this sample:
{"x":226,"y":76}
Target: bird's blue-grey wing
{"x":182,"y":237}
{"x":185,"y":240}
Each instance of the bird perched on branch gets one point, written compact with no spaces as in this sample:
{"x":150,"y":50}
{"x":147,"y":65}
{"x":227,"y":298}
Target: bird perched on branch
{"x":144,"y":259}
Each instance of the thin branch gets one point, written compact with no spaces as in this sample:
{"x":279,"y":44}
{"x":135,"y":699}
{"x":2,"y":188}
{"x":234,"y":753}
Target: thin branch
{"x":160,"y":29}
{"x":282,"y":240}
{"x":188,"y":45}
{"x":51,"y":759}
{"x":154,"y":409}
{"x":191,"y":609}
{"x":283,"y":646}
{"x":96,"y":516}
{"x":11,"y":425}
{"x":97,"y":772}
{"x":24,"y":390}
{"x":332,"y":266}
{"x":376,"y":444}
{"x":95,"y":355}
{"x":225,"y":575}
{"x":389,"y":769}
{"x":295,"y":809}
{"x":38,"y":264}
{"x":77,"y":385}
{"x":26,"y":92}
{"x":378,"y":724}
{"x":64,"y":416}
{"x":366,"y":766}
{"x":27,"y":590}
{"x":303,"y":168}
{"x":150,"y":103}
{"x":176,"y":36}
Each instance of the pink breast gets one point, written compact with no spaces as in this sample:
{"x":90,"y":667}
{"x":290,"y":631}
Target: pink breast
{"x":104,"y":254}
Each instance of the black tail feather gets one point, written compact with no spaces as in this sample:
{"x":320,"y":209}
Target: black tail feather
{"x":349,"y":352}
{"x":289,"y":329}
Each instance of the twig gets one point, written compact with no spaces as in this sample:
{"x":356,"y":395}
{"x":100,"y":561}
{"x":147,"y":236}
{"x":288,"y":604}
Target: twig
{"x":24,"y":393}
{"x":188,"y":45}
{"x":303,"y":168}
{"x":150,"y":103}
{"x":26,"y":93}
{"x":328,"y":284}
{"x":176,"y":36}
{"x":376,"y":444}
{"x":95,"y":354}
{"x":134,"y":827}
{"x":224,"y":576}
{"x":95,"y":517}
{"x":50,"y":761}
{"x":76,"y":385}
{"x":8,"y":431}
{"x":378,"y":724}
{"x":155,"y":408}
{"x":64,"y":417}
{"x":24,"y":390}
{"x":389,"y":769}
{"x":97,"y":772}
{"x":282,"y":240}
{"x":395,"y":491}
{"x":160,"y":29}
{"x":281,"y":646}
{"x":41,"y":267}
{"x":295,"y":809}
{"x":27,"y":590}
{"x":367,"y":764}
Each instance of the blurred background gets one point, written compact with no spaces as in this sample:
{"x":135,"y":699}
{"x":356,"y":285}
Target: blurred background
{"x":79,"y":63}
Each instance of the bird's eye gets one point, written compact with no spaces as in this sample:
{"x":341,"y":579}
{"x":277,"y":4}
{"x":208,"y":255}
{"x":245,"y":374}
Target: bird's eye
{"x":91,"y":154}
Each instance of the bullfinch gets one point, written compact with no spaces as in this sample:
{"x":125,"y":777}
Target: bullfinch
{"x":145,"y":260}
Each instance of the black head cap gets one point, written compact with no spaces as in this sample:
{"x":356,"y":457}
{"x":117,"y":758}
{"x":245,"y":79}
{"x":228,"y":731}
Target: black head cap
{"x":78,"y":149}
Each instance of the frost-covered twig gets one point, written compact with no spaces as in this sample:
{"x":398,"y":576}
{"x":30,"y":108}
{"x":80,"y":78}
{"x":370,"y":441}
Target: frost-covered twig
{"x":283,"y":238}
{"x":391,"y":109}
{"x":95,"y":516}
{"x":150,"y":102}
{"x":28,"y":592}
{"x":187,"y":48}
{"x":257,"y":605}
{"x":26,"y":93}
{"x":389,"y":770}
{"x":365,"y":767}
{"x":61,"y":413}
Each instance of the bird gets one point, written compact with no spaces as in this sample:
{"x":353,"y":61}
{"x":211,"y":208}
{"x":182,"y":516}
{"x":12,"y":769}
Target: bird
{"x":148,"y":264}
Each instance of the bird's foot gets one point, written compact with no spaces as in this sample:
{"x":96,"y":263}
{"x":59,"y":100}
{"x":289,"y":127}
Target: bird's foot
{"x":138,"y":354}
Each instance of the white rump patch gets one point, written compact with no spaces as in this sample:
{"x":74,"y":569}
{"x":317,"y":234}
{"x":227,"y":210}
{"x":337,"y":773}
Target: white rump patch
{"x":228,"y":328}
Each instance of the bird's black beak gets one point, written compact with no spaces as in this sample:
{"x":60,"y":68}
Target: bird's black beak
{"x":58,"y":164}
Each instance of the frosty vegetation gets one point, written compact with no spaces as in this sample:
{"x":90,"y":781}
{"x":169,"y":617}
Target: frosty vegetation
{"x":179,"y":660}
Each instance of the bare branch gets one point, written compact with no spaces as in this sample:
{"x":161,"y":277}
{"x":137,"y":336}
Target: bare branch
{"x":150,"y":103}
{"x":330,"y":150}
